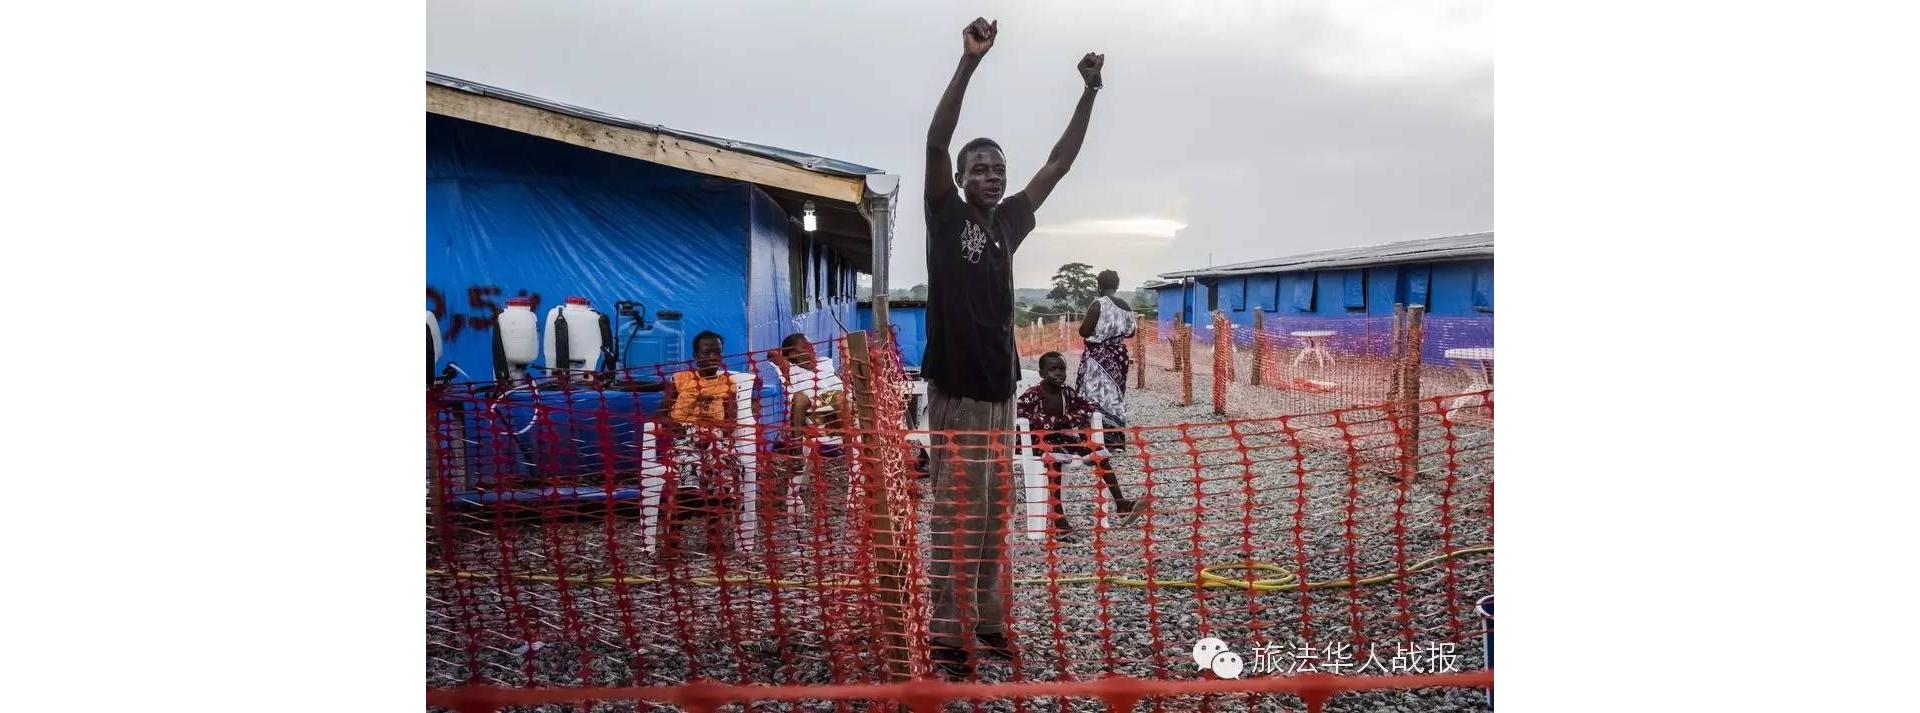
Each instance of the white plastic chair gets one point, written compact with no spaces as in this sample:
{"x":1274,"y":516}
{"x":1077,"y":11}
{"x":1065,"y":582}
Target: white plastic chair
{"x":921,"y":437}
{"x":653,"y":473}
{"x":1033,"y":466}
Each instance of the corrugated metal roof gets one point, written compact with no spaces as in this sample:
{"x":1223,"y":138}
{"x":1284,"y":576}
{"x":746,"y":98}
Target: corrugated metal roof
{"x":1451,"y":247}
{"x":817,"y":164}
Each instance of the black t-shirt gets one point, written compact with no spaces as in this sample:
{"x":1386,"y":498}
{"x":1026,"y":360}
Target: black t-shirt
{"x":970,"y":295}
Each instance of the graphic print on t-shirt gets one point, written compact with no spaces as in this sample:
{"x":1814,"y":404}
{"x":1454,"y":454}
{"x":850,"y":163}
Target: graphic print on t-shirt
{"x":972,"y":240}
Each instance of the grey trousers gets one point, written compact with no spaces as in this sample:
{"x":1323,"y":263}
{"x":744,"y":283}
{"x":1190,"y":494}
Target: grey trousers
{"x":972,"y":491}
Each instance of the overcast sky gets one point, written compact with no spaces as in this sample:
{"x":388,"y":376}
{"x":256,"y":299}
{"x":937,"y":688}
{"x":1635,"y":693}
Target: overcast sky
{"x":1228,"y":130}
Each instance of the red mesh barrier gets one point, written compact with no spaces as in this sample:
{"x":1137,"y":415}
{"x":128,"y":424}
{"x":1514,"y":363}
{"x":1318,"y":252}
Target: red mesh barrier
{"x":1223,"y":358}
{"x":1285,"y":365}
{"x":1117,"y":693}
{"x":1305,"y":365}
{"x":588,"y":536}
{"x":1048,"y":334}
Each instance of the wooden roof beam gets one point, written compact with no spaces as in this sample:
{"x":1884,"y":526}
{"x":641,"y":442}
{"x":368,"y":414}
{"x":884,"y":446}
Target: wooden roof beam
{"x":639,"y":144}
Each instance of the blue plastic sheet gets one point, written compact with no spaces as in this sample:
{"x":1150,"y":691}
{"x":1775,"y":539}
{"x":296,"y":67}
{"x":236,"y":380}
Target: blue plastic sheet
{"x":1303,"y":292}
{"x":1414,"y":279}
{"x":1483,"y":287}
{"x":510,"y":215}
{"x":1353,"y":289}
{"x":909,"y":321}
{"x":531,"y":437}
{"x":524,"y":444}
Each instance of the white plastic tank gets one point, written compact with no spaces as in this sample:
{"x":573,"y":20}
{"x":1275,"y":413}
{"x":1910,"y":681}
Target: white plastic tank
{"x":519,"y":335}
{"x":434,"y":346}
{"x":433,"y":338}
{"x":583,"y":336}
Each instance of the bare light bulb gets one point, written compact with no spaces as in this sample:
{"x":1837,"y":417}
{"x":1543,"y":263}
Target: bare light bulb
{"x":807,"y":221}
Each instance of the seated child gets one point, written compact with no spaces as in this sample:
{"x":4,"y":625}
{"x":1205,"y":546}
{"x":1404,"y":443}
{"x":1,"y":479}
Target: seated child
{"x":1054,"y":406}
{"x":700,"y":413}
{"x":815,"y":398}
{"x":812,"y":385}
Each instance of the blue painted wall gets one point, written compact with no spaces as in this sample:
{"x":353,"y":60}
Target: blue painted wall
{"x":1167,"y":302}
{"x":1182,"y":302}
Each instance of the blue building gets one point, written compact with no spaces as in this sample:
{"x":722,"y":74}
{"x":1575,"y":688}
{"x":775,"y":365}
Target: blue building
{"x":909,"y":321}
{"x":1349,"y":290}
{"x":532,"y":198}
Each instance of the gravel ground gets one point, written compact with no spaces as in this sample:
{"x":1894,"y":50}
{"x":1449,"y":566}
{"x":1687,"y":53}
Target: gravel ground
{"x":1246,"y":499}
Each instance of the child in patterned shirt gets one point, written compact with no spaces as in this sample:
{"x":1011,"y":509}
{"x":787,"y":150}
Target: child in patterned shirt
{"x":1058,"y":410}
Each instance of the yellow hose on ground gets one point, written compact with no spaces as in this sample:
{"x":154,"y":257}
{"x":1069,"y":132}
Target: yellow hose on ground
{"x":1285,"y":581}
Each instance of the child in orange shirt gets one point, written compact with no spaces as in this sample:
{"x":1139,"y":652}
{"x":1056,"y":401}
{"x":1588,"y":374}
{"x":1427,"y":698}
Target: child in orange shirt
{"x":700,"y":412}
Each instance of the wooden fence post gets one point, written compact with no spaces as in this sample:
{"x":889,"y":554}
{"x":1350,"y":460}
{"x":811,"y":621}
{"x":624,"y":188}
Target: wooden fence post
{"x":1222,"y":361}
{"x":1184,"y":355}
{"x":1410,"y":393}
{"x":889,"y":555}
{"x":1173,"y":347}
{"x":1140,"y":344}
{"x":1396,"y":374}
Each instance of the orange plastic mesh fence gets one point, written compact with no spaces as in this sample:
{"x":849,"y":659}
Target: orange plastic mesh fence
{"x":562,"y":522}
{"x":1282,"y":365}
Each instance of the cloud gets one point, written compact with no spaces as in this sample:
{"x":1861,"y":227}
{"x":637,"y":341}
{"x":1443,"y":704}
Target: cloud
{"x":1240,"y":129}
{"x":1151,"y":229}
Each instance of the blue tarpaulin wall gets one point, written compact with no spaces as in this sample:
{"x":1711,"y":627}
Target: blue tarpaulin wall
{"x":511,"y":215}
{"x":514,"y":215}
{"x":1461,"y":292}
{"x":1353,"y":293}
{"x":909,"y":322}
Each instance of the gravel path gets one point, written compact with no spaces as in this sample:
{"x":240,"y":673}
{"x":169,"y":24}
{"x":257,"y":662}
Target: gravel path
{"x":1250,"y":494}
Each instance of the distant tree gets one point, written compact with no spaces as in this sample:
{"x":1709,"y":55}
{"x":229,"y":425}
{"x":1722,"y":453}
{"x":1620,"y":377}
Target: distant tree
{"x":1074,"y":287}
{"x":1144,"y":302}
{"x":919,"y":292}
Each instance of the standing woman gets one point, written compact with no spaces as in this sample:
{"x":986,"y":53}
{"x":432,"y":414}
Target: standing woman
{"x":1104,"y":366}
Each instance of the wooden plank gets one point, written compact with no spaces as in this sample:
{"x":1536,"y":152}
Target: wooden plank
{"x":1185,"y":353}
{"x":888,"y":553}
{"x":1140,"y":346}
{"x":639,"y":144}
{"x":1410,"y":396}
{"x":1222,"y":361}
{"x":882,"y":322}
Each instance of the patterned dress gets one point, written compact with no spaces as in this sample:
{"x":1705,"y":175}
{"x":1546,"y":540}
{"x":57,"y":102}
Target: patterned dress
{"x":1104,"y":366}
